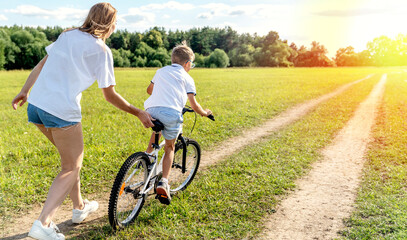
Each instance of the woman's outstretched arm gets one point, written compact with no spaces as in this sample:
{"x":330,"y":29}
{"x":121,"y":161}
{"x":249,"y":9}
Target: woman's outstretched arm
{"x":118,"y":101}
{"x":23,"y":95}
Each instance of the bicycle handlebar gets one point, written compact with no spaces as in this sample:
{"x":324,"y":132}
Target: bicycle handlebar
{"x":188,"y":109}
{"x":185,"y":109}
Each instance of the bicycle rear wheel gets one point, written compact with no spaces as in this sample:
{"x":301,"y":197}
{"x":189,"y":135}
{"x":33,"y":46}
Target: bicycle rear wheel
{"x":178,"y":180}
{"x":126,"y":200}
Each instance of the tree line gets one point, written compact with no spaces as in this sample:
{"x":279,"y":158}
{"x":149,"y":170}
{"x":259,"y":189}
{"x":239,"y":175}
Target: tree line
{"x":24,"y":47}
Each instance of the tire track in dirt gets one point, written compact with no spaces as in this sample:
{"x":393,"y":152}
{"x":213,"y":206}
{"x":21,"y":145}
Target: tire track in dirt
{"x":326,"y":196}
{"x":285,"y":118}
{"x":19,"y":227}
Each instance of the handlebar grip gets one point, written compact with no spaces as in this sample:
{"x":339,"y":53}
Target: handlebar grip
{"x":211,"y":117}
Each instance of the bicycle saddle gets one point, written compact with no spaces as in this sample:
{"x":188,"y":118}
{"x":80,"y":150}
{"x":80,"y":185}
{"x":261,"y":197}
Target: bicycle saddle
{"x":158,"y":126}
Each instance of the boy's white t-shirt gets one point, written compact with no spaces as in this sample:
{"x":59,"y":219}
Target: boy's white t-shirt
{"x":171,"y":86}
{"x":75,"y":60}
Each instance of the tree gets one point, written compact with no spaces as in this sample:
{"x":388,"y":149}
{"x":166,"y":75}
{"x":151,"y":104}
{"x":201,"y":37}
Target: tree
{"x":380,"y":49}
{"x":226,"y":39}
{"x":143,"y":50}
{"x":121,"y":57}
{"x":401,"y":48}
{"x":199,"y":60}
{"x":22,"y":37}
{"x":161,"y":55}
{"x":218,"y":58}
{"x":201,"y":40}
{"x":134,"y":40}
{"x":2,"y":56}
{"x":274,"y":53}
{"x":117,"y":58}
{"x":388,"y":52}
{"x":365,"y":59}
{"x":154,"y":63}
{"x":176,"y":37}
{"x":52,"y":33}
{"x":24,"y":47}
{"x":153,"y":38}
{"x":139,"y":61}
{"x":293,"y":53}
{"x":31,"y":49}
{"x":347,"y":57}
{"x":117,"y":40}
{"x":242,"y":56}
{"x":315,"y":57}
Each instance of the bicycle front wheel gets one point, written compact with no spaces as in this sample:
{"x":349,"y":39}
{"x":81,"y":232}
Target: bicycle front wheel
{"x":179,"y":180}
{"x":126,"y":200}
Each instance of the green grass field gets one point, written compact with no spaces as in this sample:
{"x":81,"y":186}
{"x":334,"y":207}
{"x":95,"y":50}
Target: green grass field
{"x":227,"y":201}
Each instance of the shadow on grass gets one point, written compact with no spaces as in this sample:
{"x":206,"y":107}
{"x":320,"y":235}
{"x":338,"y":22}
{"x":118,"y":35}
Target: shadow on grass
{"x":100,"y":228}
{"x":95,"y":229}
{"x":18,"y":236}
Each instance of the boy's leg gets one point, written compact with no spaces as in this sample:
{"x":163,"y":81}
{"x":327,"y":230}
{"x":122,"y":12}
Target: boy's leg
{"x":163,"y":188}
{"x":150,"y":144}
{"x":169,"y":148}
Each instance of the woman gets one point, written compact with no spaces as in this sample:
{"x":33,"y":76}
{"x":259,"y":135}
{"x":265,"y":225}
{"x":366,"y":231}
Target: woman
{"x":72,"y":64}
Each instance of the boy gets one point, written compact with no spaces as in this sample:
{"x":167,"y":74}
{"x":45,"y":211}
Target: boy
{"x":173,"y":86}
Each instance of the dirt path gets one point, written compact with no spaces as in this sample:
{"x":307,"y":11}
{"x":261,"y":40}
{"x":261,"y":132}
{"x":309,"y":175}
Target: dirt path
{"x":19,"y":229}
{"x":326,"y":196}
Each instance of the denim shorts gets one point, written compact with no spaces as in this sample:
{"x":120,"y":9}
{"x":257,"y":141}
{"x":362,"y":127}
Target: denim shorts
{"x":39,"y":116}
{"x":171,"y":118}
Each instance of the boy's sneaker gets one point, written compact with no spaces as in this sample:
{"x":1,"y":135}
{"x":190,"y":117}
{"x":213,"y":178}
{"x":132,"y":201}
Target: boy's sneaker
{"x":79,"y":215}
{"x":38,"y":231}
{"x":163,"y":192}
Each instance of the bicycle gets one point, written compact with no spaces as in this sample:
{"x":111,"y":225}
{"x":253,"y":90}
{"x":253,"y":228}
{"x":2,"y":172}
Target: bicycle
{"x":140,"y":173}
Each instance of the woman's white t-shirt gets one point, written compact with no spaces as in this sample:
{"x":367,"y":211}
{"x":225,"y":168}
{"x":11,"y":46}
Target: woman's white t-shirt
{"x":75,"y":60}
{"x":171,"y":86}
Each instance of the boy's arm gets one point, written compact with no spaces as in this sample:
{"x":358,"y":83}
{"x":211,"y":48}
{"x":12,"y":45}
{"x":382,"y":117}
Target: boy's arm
{"x":197,"y":107}
{"x":150,"y":88}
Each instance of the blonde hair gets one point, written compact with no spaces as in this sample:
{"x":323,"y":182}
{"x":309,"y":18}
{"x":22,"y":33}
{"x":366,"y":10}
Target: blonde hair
{"x":100,"y":20}
{"x":182,"y":53}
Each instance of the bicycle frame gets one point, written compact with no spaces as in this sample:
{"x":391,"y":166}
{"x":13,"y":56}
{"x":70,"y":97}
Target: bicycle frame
{"x":157,"y":166}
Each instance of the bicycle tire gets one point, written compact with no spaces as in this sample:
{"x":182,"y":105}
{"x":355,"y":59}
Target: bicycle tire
{"x":124,"y":190}
{"x":179,"y":181}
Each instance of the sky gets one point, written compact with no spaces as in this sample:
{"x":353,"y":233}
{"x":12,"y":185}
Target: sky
{"x":333,"y":23}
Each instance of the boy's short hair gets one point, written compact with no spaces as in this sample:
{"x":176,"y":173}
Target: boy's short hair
{"x":182,"y":53}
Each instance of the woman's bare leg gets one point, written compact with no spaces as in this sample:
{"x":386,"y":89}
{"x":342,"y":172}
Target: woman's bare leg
{"x":69,"y":142}
{"x":76,"y":196}
{"x":46,"y":131}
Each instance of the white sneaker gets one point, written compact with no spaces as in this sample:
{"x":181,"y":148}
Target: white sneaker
{"x":38,"y":231}
{"x":79,"y":215}
{"x":163,"y":192}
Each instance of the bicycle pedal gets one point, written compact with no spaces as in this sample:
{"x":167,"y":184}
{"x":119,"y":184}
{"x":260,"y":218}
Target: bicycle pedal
{"x":163,"y":199}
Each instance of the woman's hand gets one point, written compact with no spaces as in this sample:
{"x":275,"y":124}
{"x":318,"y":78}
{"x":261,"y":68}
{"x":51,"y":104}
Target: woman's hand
{"x":20,"y":98}
{"x":208,"y":112}
{"x":145,"y":119}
